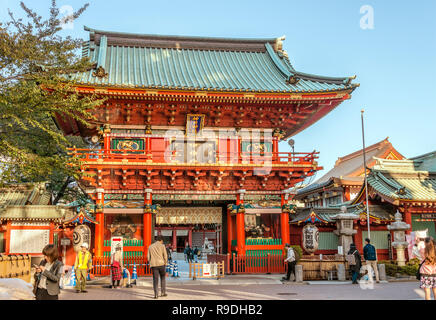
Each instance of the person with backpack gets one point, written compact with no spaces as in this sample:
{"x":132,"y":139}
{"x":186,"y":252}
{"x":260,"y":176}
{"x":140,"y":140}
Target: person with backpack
{"x":355,"y":262}
{"x":291,"y":259}
{"x":370,"y":256}
{"x":427,"y":269}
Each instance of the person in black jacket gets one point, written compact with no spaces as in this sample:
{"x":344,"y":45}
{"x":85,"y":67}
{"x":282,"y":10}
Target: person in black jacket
{"x":355,"y":269}
{"x":48,"y":275}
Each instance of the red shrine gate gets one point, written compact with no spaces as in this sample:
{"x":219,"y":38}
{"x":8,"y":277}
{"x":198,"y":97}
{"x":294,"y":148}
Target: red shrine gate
{"x":193,"y":122}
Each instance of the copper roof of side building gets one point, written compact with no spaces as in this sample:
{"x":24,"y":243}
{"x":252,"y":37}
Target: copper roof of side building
{"x":198,"y":63}
{"x":349,"y":169}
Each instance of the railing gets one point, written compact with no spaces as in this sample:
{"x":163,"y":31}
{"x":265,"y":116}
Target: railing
{"x":196,"y":270}
{"x":151,"y":156}
{"x":101,"y":266}
{"x":254,"y":264}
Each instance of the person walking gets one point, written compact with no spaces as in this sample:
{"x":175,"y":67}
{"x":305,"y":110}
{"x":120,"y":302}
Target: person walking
{"x":169,"y":253}
{"x":158,"y":259}
{"x":82,"y":265}
{"x":370,"y":255}
{"x":116,"y":267}
{"x":355,"y":262}
{"x":427,"y":269}
{"x":189,"y":253}
{"x":48,"y":275}
{"x":195,"y":254}
{"x":292,"y":261}
{"x":186,"y":252}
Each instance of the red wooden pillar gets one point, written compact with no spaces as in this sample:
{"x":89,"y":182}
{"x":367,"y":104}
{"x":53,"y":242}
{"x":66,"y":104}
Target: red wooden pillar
{"x":8,"y":237}
{"x":51,"y":233}
{"x":284,"y":224}
{"x":408,"y":219}
{"x":190,"y":237}
{"x":358,"y":238}
{"x":229,"y":231}
{"x":240,"y":227}
{"x":347,"y":195}
{"x":174,"y":240}
{"x":99,"y":227}
{"x":148,"y":148}
{"x":275,"y":148}
{"x":147,"y":221}
{"x":239,"y":150}
{"x":106,"y":142}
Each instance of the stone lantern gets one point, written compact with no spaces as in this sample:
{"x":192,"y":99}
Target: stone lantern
{"x":399,"y":227}
{"x":344,"y":228}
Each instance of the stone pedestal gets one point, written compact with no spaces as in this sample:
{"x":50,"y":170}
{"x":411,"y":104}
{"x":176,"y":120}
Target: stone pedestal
{"x":344,"y":228}
{"x":341,"y":272}
{"x":299,"y":273}
{"x":382,"y":272}
{"x":399,"y":227}
{"x":401,"y":258}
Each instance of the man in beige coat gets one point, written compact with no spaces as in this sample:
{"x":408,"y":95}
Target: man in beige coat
{"x":158,"y":259}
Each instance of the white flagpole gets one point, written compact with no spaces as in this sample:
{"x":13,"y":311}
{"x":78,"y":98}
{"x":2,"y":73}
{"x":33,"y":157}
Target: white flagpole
{"x":364,"y":169}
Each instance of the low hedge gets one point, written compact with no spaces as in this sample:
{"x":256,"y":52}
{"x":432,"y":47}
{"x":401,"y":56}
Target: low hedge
{"x":392,"y":268}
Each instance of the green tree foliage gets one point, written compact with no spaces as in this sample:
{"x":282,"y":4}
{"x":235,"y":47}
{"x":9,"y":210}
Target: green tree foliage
{"x":35,"y":64}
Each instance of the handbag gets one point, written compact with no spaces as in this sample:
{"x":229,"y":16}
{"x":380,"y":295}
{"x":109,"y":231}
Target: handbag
{"x":351,"y":259}
{"x":418,"y":273}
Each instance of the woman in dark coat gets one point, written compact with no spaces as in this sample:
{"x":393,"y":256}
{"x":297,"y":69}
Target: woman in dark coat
{"x":48,"y":275}
{"x":355,"y":269}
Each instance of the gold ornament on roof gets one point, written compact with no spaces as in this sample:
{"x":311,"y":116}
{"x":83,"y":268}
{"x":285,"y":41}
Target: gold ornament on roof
{"x":100,"y":73}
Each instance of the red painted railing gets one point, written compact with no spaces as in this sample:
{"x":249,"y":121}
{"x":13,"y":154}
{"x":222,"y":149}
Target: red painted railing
{"x":91,"y":155}
{"x":268,"y":264}
{"x":101,"y":266}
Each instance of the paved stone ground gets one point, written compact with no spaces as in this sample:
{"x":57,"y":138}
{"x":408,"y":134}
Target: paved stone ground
{"x":253,"y":288}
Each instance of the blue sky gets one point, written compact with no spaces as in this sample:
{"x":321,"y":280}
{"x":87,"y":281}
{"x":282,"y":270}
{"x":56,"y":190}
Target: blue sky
{"x":395,"y":62}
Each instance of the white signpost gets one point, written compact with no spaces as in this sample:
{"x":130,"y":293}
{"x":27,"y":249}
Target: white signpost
{"x":117,"y":242}
{"x":206,"y":270}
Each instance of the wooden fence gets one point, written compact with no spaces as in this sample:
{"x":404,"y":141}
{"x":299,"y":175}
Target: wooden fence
{"x":101,"y":266}
{"x":316,"y":269}
{"x":196,"y":270}
{"x":15,"y":266}
{"x":216,"y":258}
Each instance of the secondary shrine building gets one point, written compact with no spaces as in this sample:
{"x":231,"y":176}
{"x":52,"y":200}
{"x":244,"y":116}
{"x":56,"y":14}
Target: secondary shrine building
{"x":186,"y":144}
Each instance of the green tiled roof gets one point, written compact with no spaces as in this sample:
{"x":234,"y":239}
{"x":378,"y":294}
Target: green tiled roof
{"x":195,"y":63}
{"x":405,"y":179}
{"x":22,"y":194}
{"x":326,"y":213}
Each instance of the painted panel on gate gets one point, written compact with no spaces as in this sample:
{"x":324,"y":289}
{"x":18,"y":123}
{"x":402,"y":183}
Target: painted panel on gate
{"x":129,"y":145}
{"x":194,"y":124}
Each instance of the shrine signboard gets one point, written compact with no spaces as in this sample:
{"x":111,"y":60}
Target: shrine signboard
{"x":29,"y":241}
{"x":310,"y":238}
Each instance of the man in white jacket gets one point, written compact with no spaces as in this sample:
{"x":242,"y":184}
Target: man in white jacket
{"x":290,"y":259}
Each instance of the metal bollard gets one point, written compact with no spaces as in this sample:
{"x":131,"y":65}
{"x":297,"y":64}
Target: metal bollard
{"x":73,"y":277}
{"x":176,"y":269}
{"x":171,"y":271}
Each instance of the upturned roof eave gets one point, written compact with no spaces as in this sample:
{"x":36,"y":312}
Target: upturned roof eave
{"x":348,"y":90}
